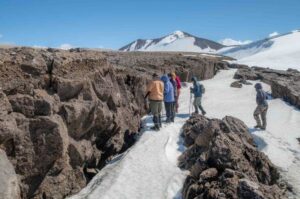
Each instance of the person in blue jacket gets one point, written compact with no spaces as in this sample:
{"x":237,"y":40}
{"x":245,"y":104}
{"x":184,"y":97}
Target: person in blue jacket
{"x":197,"y":90}
{"x":169,"y":98}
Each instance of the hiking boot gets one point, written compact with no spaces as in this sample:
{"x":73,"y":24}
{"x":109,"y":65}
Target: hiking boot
{"x":155,"y":128}
{"x":263,"y":128}
{"x":196,"y":112}
{"x":168,"y":120}
{"x":258,"y":127}
{"x":203,"y":113}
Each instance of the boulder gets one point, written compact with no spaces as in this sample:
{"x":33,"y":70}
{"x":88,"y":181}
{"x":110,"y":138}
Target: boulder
{"x":236,"y":84}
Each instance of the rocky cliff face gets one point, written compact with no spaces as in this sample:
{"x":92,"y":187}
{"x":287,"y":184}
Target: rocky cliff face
{"x":225,"y":163}
{"x":64,"y":114}
{"x":284,"y":84}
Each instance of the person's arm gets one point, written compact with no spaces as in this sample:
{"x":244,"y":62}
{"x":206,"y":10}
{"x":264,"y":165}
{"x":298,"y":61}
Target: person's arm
{"x":149,"y":88}
{"x":147,"y":94}
{"x":167,"y":88}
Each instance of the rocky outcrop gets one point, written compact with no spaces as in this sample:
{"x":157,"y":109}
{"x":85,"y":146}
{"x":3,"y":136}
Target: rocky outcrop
{"x":64,"y":114}
{"x":284,"y":84}
{"x":225,"y":163}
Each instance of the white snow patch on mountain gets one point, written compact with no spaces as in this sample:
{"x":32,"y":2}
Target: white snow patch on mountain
{"x":273,"y":34}
{"x":278,"y":52}
{"x":232,"y":42}
{"x":183,"y":44}
{"x":149,"y":169}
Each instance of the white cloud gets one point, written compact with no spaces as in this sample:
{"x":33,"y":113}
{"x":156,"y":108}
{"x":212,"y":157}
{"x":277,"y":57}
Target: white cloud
{"x":232,"y":42}
{"x":273,"y":34}
{"x":66,"y":46}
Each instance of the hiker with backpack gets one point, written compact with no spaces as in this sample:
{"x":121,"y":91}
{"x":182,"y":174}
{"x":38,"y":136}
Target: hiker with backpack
{"x":178,"y":84}
{"x":197,"y":90}
{"x":262,"y":107}
{"x":169,"y":99}
{"x":155,"y":91}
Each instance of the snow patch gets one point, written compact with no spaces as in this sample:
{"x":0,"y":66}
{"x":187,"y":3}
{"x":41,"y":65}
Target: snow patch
{"x":232,"y":42}
{"x":273,"y":34}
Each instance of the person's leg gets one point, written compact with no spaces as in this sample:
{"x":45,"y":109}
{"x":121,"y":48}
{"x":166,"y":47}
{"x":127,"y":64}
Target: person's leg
{"x":256,"y":114}
{"x":199,"y":103}
{"x":195,"y":105}
{"x":168,"y":111}
{"x":173,"y":109}
{"x":264,"y":117}
{"x":159,"y":113}
{"x":155,"y":111}
{"x":177,"y":98}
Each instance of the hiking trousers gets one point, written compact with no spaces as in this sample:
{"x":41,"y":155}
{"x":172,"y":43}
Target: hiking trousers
{"x":260,"y":115}
{"x":177,"y":98}
{"x":197,"y":104}
{"x":155,"y":108}
{"x":170,"y":111}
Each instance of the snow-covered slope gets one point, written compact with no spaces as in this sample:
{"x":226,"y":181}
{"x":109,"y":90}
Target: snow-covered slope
{"x":177,"y":41}
{"x":149,"y":170}
{"x":278,"y":52}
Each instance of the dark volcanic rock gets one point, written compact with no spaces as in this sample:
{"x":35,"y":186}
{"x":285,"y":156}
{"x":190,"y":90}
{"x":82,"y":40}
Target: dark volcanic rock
{"x":225,"y":163}
{"x":236,"y":84}
{"x":284,"y":84}
{"x":64,"y":114}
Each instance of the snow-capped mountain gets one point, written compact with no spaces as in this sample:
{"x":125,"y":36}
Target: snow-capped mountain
{"x":278,"y":52}
{"x":177,"y":41}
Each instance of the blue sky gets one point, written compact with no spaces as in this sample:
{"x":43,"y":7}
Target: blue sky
{"x":114,"y":23}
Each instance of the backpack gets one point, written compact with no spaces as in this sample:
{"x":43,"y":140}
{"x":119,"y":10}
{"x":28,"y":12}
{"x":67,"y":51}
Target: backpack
{"x":202,"y":88}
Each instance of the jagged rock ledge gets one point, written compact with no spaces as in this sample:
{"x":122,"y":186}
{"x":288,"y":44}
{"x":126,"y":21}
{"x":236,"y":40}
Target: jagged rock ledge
{"x":284,"y":84}
{"x":225,"y":163}
{"x":64,"y":114}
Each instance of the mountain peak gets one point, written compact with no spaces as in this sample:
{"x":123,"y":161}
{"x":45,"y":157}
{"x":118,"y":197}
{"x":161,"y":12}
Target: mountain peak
{"x":179,"y":33}
{"x":176,"y":41}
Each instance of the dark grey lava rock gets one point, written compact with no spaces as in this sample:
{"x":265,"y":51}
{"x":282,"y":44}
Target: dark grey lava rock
{"x":236,"y":84}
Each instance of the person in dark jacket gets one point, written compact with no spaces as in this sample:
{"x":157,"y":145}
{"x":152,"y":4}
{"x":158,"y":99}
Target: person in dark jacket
{"x":197,"y":91}
{"x":262,"y":107}
{"x":169,"y":98}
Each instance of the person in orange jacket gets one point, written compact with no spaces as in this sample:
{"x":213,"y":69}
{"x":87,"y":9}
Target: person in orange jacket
{"x":155,"y":94}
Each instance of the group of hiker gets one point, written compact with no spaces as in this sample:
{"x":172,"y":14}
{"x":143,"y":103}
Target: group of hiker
{"x":167,"y":89}
{"x":163,"y":89}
